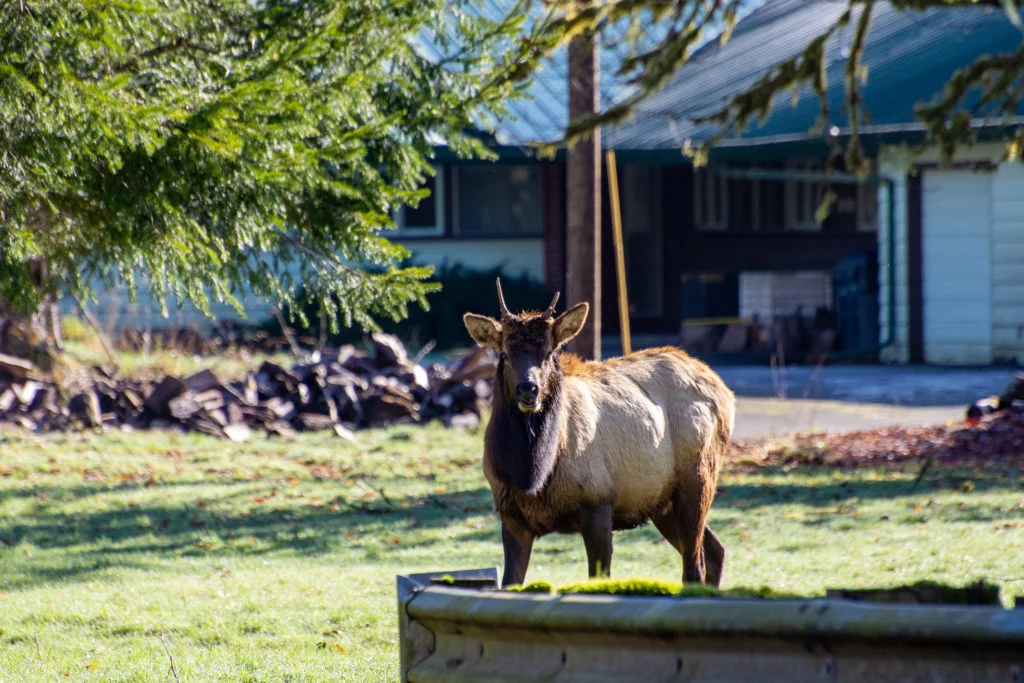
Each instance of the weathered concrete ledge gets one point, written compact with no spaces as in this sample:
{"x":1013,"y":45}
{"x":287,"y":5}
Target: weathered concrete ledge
{"x":470,"y":634}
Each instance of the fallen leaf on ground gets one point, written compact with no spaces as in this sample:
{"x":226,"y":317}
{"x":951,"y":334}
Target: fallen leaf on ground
{"x":997,"y":438}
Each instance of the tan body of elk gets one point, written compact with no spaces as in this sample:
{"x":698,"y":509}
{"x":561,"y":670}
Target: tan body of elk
{"x":592,"y":447}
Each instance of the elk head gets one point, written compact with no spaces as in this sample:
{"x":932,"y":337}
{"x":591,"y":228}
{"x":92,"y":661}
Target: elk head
{"x":529,"y":344}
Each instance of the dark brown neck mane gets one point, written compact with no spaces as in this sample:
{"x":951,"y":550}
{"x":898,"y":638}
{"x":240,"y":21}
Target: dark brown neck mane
{"x":524,"y":446}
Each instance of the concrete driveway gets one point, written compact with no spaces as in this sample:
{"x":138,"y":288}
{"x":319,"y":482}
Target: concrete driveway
{"x":854,"y":397}
{"x":756,"y":417}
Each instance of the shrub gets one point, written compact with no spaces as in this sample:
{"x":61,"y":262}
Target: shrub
{"x":463,"y":290}
{"x":73,"y":329}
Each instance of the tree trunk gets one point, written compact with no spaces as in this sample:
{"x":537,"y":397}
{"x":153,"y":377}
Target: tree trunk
{"x":583,"y":203}
{"x":37,"y":335}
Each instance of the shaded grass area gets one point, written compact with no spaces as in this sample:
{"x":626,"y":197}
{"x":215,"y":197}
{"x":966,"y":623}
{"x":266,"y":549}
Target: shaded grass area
{"x":275,"y":560}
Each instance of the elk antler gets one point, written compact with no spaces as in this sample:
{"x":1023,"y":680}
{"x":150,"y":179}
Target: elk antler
{"x":551,"y":307}
{"x":505,"y":313}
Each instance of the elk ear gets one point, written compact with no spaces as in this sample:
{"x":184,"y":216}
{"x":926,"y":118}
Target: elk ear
{"x":484,"y":331}
{"x":569,"y":324}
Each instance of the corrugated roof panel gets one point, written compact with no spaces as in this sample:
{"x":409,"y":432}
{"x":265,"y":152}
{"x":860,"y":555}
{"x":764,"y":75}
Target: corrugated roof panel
{"x":909,"y":57}
{"x":544,"y":111}
{"x":542,"y":114}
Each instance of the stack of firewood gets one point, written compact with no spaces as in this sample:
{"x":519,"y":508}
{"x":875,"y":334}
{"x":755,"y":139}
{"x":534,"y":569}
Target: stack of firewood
{"x":339,"y":389}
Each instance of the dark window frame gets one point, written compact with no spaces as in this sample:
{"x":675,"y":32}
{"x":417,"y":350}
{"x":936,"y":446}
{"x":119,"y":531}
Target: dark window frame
{"x":456,"y":231}
{"x":439,"y":229}
{"x":714,"y":194}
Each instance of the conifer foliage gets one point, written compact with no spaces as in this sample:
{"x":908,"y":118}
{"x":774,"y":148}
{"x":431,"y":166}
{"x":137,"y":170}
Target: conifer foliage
{"x":216,"y":146}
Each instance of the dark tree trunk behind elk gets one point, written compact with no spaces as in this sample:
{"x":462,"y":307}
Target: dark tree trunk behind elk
{"x":36,"y":335}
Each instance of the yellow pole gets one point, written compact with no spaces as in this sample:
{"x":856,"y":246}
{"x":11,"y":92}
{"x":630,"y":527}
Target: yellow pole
{"x":620,"y":257}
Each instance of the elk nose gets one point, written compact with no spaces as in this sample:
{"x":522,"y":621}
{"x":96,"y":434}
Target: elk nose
{"x":526,"y":390}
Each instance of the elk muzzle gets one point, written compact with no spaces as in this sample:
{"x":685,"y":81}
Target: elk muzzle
{"x":527,"y":394}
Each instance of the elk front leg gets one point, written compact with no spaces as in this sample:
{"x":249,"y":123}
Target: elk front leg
{"x":597,"y":538}
{"x":517,"y":543}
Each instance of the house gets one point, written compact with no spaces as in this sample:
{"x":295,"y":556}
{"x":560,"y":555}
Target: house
{"x":510,"y":213}
{"x":938,"y":252}
{"x":919,"y":264}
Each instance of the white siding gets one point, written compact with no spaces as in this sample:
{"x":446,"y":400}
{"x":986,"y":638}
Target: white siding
{"x":515,"y":256}
{"x":756,"y":295}
{"x":956,"y":262}
{"x":771,"y":294}
{"x":1008,"y":263}
{"x":973,"y":258}
{"x":115,"y":311}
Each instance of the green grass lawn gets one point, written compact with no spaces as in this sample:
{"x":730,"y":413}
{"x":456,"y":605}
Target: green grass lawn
{"x":275,"y":560}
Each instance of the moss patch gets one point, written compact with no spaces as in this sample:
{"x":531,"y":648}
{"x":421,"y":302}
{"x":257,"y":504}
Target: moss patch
{"x":624,"y":587}
{"x":535,"y":587}
{"x":978,"y":593}
{"x":650,"y":587}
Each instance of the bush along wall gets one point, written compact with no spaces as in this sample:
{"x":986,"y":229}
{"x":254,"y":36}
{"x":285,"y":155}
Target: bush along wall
{"x":463,"y":290}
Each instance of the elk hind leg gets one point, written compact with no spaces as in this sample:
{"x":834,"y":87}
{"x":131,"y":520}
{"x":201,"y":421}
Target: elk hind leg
{"x":714,"y":551}
{"x":691,"y":503}
{"x":714,"y":558}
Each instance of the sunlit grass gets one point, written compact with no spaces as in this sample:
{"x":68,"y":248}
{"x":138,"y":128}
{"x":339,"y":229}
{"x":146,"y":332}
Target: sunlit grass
{"x":275,"y":560}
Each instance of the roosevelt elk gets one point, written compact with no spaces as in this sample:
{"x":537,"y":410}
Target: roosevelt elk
{"x":592,"y":447}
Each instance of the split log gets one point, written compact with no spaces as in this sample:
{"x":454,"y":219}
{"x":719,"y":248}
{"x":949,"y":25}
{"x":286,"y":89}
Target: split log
{"x":389,"y":351}
{"x":313,"y":421}
{"x":211,"y":399}
{"x":238,"y":431}
{"x":17,"y":368}
{"x":281,"y":408}
{"x":184,"y":407}
{"x":159,"y":401}
{"x":7,"y":400}
{"x":202,"y":381}
{"x":26,"y":393}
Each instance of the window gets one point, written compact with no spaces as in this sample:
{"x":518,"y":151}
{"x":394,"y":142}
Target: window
{"x":499,"y":200}
{"x":755,"y":204}
{"x":803,"y":198}
{"x":709,"y":199}
{"x":867,"y":207}
{"x":710,"y":295}
{"x":641,"y":225}
{"x":746,"y":203}
{"x":426,"y":219}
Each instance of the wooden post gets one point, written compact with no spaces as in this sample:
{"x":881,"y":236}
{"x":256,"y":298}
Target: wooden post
{"x":620,"y":252}
{"x":583,"y":203}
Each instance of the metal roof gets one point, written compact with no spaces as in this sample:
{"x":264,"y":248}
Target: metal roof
{"x":542,"y":114}
{"x":909,"y":57}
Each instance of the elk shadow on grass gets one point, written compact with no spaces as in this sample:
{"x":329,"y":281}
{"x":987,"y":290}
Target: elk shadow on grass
{"x":749,"y":496}
{"x":62,"y":493}
{"x":80,"y":568}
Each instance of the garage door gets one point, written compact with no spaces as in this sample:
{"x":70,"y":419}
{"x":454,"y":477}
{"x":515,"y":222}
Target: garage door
{"x":956,"y":263}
